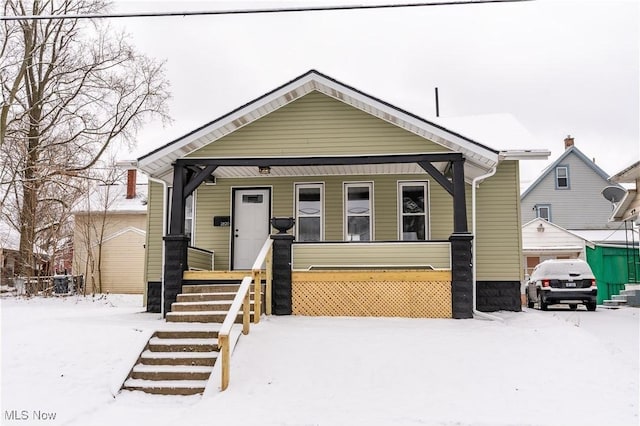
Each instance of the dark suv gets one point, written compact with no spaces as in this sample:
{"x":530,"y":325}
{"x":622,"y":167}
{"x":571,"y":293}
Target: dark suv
{"x":562,"y":281}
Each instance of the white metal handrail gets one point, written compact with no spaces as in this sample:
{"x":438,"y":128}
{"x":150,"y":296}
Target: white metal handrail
{"x":240,"y":301}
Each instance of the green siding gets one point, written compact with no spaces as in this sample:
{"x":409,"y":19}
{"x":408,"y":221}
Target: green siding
{"x":317,"y":124}
{"x":153,"y":256}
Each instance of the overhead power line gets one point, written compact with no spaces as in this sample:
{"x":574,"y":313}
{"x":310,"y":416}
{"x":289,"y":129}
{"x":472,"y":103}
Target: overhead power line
{"x":250,"y":11}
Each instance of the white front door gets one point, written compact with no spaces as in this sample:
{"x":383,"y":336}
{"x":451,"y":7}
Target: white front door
{"x":251,"y":208}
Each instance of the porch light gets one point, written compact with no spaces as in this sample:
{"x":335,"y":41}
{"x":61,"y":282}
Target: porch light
{"x":540,"y":228}
{"x":264,"y":170}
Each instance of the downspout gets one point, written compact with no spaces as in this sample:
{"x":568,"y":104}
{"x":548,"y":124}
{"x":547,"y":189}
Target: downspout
{"x":164,"y":233}
{"x":474,"y":184}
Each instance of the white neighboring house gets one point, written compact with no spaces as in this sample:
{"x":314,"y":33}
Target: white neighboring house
{"x":110,"y":237}
{"x":629,"y":208}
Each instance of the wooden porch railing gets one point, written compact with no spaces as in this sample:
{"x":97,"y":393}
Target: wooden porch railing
{"x":264,"y":256}
{"x":240,"y":301}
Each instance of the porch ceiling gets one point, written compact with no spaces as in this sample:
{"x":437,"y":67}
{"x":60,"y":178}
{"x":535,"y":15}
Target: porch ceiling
{"x":471,"y":171}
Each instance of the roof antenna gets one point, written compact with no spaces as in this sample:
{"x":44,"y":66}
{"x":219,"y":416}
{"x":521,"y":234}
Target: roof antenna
{"x":437,"y":104}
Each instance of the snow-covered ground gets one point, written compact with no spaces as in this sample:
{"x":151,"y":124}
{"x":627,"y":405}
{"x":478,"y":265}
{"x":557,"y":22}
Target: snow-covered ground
{"x":63,"y":357}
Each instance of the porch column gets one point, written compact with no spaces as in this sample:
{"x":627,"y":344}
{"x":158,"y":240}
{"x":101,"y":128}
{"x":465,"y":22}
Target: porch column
{"x":281,"y":278}
{"x":175,"y":263}
{"x":459,"y":197}
{"x":461,"y":275}
{"x":176,"y":242}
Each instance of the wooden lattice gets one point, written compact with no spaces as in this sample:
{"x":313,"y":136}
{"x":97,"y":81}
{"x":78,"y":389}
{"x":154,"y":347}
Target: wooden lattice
{"x":371,"y":297}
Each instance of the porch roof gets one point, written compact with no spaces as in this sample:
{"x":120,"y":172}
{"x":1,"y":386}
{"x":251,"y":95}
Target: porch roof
{"x":479,"y":158}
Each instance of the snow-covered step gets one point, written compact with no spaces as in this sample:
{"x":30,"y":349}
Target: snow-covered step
{"x":197,"y":297}
{"x":613,"y":303}
{"x":182,"y":345}
{"x":211,"y":288}
{"x":619,"y":298}
{"x":178,"y":358}
{"x":167,"y":387}
{"x":210,"y":305}
{"x":171,"y":372}
{"x":202,"y":316}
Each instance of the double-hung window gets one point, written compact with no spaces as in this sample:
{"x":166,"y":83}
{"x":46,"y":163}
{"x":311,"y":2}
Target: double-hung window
{"x":413,"y":206}
{"x":562,"y":177}
{"x":309,"y":212}
{"x":358,"y":211}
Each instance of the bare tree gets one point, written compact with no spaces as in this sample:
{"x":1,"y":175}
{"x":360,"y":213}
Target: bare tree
{"x":70,"y":90}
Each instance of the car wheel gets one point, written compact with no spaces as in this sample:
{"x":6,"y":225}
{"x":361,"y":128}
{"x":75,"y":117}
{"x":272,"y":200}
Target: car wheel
{"x":573,"y":306}
{"x":543,"y":304}
{"x":529,"y":302}
{"x":591,"y":306}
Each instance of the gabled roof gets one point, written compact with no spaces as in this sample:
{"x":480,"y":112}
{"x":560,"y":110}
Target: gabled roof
{"x":113,"y":199}
{"x":569,"y":151}
{"x":158,"y":163}
{"x":628,"y":175}
{"x":540,"y":221}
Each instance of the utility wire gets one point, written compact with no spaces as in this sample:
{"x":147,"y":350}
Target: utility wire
{"x":249,"y":11}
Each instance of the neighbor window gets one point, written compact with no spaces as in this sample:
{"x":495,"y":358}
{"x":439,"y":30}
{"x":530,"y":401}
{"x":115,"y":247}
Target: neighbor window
{"x":562,"y":177}
{"x":544,"y":212}
{"x":309,"y":210}
{"x":413,"y":210}
{"x":358,"y":211}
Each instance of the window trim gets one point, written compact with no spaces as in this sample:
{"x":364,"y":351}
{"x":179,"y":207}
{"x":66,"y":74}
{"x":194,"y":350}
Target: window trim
{"x":321,"y":215}
{"x":543,"y":206}
{"x":427,"y":206}
{"x":566,"y":168}
{"x":345,"y":215}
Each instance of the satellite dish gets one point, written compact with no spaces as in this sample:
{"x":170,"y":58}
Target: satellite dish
{"x":613,"y":193}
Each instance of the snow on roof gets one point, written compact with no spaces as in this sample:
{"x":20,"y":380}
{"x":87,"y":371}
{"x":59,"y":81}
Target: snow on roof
{"x":114,"y":199}
{"x":502,"y":131}
{"x":9,"y":237}
{"x":607,"y":236}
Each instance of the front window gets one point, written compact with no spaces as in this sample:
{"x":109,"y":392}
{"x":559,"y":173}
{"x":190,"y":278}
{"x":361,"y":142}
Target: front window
{"x":562,"y":177}
{"x":309,"y":211}
{"x":188,"y":219}
{"x":358,"y":211}
{"x":413,"y":211}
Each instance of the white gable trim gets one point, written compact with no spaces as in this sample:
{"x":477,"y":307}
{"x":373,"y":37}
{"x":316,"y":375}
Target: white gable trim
{"x":122,"y":232}
{"x":159,"y":162}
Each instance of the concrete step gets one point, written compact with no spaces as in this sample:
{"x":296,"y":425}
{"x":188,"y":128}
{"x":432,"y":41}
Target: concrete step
{"x":166,"y":387}
{"x":619,"y":298}
{"x":632,"y":286}
{"x":614,"y":303}
{"x":178,"y":358}
{"x":157,"y":344}
{"x":630,"y":292}
{"x":203,"y":316}
{"x":171,"y":372}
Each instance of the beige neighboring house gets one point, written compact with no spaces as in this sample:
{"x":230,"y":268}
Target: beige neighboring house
{"x":109,"y":237}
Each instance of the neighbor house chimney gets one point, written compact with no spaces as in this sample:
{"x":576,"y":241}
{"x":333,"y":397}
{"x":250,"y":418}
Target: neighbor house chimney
{"x":568,"y":142}
{"x":131,"y":183}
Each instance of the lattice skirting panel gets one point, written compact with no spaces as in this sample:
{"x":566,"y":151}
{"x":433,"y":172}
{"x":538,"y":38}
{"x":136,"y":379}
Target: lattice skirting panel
{"x":412,"y":294}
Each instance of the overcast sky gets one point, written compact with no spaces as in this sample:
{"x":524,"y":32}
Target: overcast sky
{"x":559,"y":67}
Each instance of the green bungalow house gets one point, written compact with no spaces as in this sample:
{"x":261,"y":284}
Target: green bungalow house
{"x":392,"y":214}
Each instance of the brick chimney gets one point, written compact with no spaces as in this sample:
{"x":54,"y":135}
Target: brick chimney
{"x":131,"y":183}
{"x":568,"y":142}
